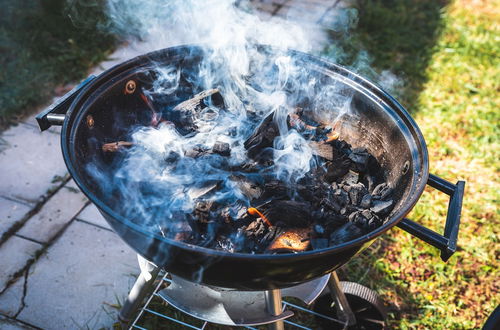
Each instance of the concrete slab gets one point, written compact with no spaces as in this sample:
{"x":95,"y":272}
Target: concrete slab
{"x":11,"y":299}
{"x":15,"y":254}
{"x":29,"y":162}
{"x":92,"y":215}
{"x":10,"y":213}
{"x":59,"y":210}
{"x":73,"y":283}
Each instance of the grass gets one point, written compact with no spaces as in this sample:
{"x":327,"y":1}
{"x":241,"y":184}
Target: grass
{"x":45,"y":44}
{"x":447,"y":54}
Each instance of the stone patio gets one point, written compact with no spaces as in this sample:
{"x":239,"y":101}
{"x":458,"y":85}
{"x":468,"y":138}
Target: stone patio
{"x":61,"y":266}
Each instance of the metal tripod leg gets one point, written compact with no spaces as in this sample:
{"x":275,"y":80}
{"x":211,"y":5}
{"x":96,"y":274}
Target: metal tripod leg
{"x":344,"y":311}
{"x":143,"y":286}
{"x":274,"y":307}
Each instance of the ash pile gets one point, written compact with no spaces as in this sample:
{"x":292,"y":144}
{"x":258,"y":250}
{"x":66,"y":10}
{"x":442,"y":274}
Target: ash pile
{"x":251,"y":209}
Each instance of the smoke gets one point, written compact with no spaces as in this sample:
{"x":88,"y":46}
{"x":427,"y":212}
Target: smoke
{"x":156,"y":181}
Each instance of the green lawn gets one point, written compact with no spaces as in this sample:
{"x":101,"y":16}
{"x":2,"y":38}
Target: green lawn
{"x":44,"y":44}
{"x":448,"y":57}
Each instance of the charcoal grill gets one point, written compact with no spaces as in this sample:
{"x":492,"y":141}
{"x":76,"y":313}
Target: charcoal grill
{"x":92,"y":110}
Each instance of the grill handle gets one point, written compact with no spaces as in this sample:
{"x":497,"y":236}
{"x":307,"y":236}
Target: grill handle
{"x":447,"y":243}
{"x":56,"y":112}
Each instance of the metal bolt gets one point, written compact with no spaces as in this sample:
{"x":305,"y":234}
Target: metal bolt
{"x":130,"y":87}
{"x":90,"y":121}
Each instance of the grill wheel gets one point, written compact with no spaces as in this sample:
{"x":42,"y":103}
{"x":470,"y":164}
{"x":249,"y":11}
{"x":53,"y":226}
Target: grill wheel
{"x":365,"y":303}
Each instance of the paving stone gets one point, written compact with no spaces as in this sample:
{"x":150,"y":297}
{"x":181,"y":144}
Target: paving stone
{"x":54,"y":215}
{"x":9,"y":324}
{"x":71,"y":285}
{"x":92,"y":215}
{"x":15,"y":254}
{"x":29,"y":161}
{"x":11,"y":299}
{"x":10,"y":213}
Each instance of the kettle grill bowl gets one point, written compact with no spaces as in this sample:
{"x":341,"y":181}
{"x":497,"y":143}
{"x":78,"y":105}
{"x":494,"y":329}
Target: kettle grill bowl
{"x":376,"y":121}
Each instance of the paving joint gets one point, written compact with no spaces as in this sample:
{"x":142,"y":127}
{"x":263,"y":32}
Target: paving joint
{"x":25,"y":291}
{"x":38,"y":254}
{"x":29,"y":239}
{"x":13,"y":320}
{"x":38,"y":206}
{"x":94,"y":224}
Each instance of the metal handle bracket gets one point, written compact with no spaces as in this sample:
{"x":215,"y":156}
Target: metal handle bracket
{"x":447,"y":243}
{"x":55,"y":113}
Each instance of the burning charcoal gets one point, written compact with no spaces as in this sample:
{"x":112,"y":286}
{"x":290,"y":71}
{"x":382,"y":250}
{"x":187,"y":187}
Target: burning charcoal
{"x":221,"y":148}
{"x":382,"y":191}
{"x":366,"y":201}
{"x":350,"y":178}
{"x":381,"y":207}
{"x":359,"y":157}
{"x":262,"y":138}
{"x":287,"y":213}
{"x":319,"y":243}
{"x":346,"y":233}
{"x":291,"y":240}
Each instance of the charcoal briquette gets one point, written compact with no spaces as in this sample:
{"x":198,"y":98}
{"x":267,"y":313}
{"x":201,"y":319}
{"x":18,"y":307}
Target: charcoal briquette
{"x":319,"y":243}
{"x":381,"y":207}
{"x":366,"y":201}
{"x":350,"y":178}
{"x":359,"y":158}
{"x":346,"y":233}
{"x":221,"y":148}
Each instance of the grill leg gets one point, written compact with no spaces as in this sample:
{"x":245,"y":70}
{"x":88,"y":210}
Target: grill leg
{"x":344,"y":311}
{"x":274,"y":307}
{"x":142,"y":287}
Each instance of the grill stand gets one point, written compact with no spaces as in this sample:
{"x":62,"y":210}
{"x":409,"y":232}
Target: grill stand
{"x":272,"y":299}
{"x":274,"y":307}
{"x":143,"y":287}
{"x":344,"y":311}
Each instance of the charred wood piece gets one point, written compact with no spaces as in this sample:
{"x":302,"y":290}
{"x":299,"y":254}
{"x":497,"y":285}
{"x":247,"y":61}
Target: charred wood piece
{"x":285,"y":213}
{"x":116,"y":146}
{"x":262,"y":138}
{"x":184,"y":114}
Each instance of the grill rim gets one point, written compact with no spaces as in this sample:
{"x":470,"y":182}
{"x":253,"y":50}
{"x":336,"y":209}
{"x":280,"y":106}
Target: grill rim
{"x":375,"y":92}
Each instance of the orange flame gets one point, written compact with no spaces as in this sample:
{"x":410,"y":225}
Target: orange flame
{"x":254,"y":212}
